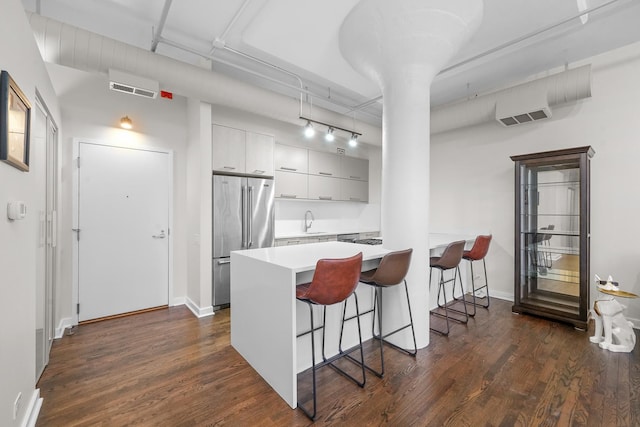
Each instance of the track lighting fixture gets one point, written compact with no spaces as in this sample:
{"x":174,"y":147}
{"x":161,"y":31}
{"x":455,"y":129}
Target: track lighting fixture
{"x":126,"y":123}
{"x":330,"y":137}
{"x":308,"y":130}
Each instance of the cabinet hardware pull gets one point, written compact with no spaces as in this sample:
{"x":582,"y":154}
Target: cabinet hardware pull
{"x":258,"y":171}
{"x":288,"y":169}
{"x":356,"y":199}
{"x":229,"y":167}
{"x":325,"y":173}
{"x":354,"y":177}
{"x":224,"y":261}
{"x":325,"y":197}
{"x":289,"y":196}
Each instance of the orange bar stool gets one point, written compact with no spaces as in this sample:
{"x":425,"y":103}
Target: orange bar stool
{"x":449,"y":260}
{"x":476,"y":253}
{"x":391,"y":271}
{"x":334,"y":280}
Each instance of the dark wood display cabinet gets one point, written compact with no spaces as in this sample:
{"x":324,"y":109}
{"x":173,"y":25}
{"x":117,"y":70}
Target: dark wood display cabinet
{"x":552,"y":234}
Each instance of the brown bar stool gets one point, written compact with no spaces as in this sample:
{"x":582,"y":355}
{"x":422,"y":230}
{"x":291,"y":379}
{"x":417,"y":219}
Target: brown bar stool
{"x":334,"y":280}
{"x":476,"y":253}
{"x":391,"y":271}
{"x":449,"y":260}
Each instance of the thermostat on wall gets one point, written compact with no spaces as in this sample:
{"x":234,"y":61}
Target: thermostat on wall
{"x":16,"y":210}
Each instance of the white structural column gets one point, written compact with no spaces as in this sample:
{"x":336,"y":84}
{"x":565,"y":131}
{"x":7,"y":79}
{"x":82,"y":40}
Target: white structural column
{"x":402,"y":44}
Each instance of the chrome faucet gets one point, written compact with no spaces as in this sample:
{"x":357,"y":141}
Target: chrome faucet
{"x":307,"y":224}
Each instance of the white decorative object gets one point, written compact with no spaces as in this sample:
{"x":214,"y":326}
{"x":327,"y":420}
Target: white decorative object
{"x":607,"y":313}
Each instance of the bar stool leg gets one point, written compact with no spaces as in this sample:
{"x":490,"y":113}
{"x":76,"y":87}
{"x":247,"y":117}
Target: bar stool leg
{"x":473,"y":286}
{"x":312,"y":415}
{"x":457,"y":274}
{"x":446,"y":313}
{"x":345,"y":353}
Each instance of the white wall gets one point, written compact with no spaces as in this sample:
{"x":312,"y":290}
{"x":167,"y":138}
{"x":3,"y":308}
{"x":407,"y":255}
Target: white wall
{"x":90,"y":110}
{"x":19,"y":239}
{"x":472,"y":175}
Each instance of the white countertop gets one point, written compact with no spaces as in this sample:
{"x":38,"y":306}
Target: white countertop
{"x":304,"y":257}
{"x":298,"y":234}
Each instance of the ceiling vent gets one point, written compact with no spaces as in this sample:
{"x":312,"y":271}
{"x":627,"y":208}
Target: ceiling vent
{"x":522,"y":105}
{"x":131,"y":84}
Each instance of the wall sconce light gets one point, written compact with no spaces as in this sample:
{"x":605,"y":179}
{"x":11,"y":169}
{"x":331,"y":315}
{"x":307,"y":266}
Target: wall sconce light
{"x":126,"y":123}
{"x":308,"y":130}
{"x":330,"y":137}
{"x":331,"y":129}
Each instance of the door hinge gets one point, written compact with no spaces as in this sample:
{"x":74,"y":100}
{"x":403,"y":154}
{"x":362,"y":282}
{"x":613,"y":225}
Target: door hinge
{"x":77,"y":230}
{"x":78,"y":160}
{"x":78,"y":308}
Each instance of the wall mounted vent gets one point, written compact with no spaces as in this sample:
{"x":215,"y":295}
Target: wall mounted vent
{"x":131,"y":84}
{"x":522,"y":104}
{"x":540,"y":114}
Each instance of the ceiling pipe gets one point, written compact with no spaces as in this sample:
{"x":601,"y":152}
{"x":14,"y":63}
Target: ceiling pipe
{"x":73,"y":47}
{"x":163,"y":19}
{"x":557,"y":89}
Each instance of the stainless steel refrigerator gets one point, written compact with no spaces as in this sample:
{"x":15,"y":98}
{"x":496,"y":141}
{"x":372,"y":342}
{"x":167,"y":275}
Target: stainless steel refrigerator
{"x":243,"y":218}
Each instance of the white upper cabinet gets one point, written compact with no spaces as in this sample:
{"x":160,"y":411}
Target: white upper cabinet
{"x":355,"y":168}
{"x":324,"y":164}
{"x":354,"y":191}
{"x":290,"y":185}
{"x":324,"y":187}
{"x":228,"y":149}
{"x":259,"y":154}
{"x":239,"y":151}
{"x":291,"y":159}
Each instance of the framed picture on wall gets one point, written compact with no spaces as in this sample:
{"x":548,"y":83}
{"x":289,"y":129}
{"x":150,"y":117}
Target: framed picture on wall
{"x":15,"y":119}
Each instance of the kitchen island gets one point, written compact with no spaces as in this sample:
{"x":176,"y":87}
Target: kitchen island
{"x":266,"y":317}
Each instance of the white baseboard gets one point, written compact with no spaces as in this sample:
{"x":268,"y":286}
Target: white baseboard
{"x":65,"y":322}
{"x":178,"y":301}
{"x":31,"y":414}
{"x":507,"y":296}
{"x":199,"y":311}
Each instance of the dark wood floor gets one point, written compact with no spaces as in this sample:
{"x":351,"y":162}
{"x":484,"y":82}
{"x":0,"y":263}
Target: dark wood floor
{"x":168,"y":368}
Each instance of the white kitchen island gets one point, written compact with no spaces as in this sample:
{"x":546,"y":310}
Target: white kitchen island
{"x":264,"y":318}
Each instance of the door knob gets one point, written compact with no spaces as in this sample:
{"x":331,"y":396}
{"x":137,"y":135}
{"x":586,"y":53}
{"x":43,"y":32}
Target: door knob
{"x":159,"y":236}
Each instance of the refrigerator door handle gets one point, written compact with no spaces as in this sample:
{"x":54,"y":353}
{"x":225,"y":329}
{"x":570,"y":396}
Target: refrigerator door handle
{"x":224,"y":261}
{"x":250,"y":218}
{"x":243,"y":213}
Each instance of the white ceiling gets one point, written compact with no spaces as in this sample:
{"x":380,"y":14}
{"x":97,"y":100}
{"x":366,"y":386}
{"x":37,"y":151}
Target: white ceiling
{"x":282,"y":44}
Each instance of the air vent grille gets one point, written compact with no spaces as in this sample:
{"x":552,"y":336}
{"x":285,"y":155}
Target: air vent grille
{"x":532,"y":116}
{"x":133,"y":85}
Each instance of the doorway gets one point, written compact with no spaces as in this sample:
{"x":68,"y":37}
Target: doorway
{"x":122,"y":229}
{"x":45,"y":160}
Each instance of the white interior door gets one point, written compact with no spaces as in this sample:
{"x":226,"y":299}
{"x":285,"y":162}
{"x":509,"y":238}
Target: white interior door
{"x":123,"y":222}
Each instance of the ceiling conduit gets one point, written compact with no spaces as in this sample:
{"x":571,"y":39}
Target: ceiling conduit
{"x":73,"y":47}
{"x":534,"y":96}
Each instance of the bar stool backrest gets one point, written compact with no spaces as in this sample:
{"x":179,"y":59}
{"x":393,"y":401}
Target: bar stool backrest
{"x":451,"y":256}
{"x":334,"y":280}
{"x":479,"y":249}
{"x":393,"y":268}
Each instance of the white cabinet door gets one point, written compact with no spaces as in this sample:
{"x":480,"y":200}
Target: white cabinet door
{"x":325,"y":164}
{"x":259,"y":154}
{"x":291,"y":159}
{"x":354,"y":191}
{"x":324,"y":187}
{"x":228,"y":149}
{"x":354,"y":168}
{"x":290,"y":185}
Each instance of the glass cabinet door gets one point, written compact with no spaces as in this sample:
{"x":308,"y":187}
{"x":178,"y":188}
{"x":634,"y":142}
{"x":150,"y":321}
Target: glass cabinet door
{"x":552,"y":241}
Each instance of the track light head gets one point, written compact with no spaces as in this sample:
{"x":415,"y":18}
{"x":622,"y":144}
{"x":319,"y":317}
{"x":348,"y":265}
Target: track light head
{"x":330,"y":137}
{"x":354,"y":140}
{"x":308,"y":130}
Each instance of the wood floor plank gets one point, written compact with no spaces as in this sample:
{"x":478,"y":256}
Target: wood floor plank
{"x":168,"y":368}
